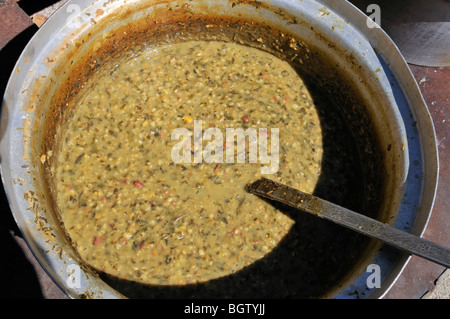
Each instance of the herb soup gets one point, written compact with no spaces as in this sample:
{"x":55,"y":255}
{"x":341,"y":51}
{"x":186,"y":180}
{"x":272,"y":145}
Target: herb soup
{"x":134,"y":213}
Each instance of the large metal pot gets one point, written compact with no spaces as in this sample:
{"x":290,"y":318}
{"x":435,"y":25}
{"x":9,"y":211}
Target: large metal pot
{"x":73,"y":42}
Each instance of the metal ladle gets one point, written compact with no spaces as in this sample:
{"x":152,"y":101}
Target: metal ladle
{"x":362,"y":224}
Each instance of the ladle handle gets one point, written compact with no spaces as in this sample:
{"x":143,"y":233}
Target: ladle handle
{"x":352,"y":220}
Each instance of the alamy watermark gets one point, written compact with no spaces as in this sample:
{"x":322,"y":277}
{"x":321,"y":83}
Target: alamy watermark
{"x":73,"y":279}
{"x":374,"y":18}
{"x":73,"y":276}
{"x":190,"y":148}
{"x":374,"y":279}
{"x":75,"y":13}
